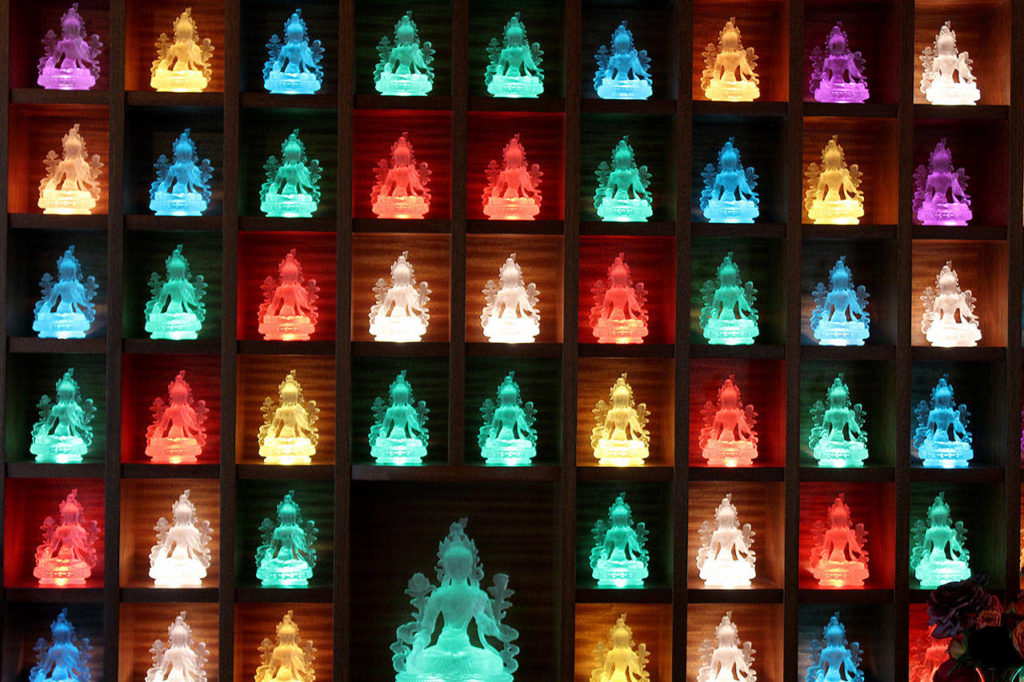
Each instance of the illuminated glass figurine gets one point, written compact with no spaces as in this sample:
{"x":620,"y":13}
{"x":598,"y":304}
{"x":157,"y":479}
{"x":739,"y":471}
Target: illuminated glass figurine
{"x":71,"y":184}
{"x":510,"y":313}
{"x":294,"y":64}
{"x":623,"y":72}
{"x":728,"y":316}
{"x":927,"y":654}
{"x":63,"y":433}
{"x":938,"y":555}
{"x":619,"y":314}
{"x":67,"y":554}
{"x":288,"y":311}
{"x":507,"y":436}
{"x":65,"y":309}
{"x":729,"y":70}
{"x":402,"y":187}
{"x":728,"y":438}
{"x":178,"y":432}
{"x":182,"y":185}
{"x":726,"y":659}
{"x":726,"y":557}
{"x":622,"y":194}
{"x":941,"y":437}
{"x":729,"y":194}
{"x":837,"y":73}
{"x":405,"y":67}
{"x":289,"y":434}
{"x":620,"y":436}
{"x":457,"y":601}
{"x":833,"y":195}
{"x":180,"y":659}
{"x":837,"y":438}
{"x":949,"y":320}
{"x":292,"y":189}
{"x":834,"y":659}
{"x":940,"y":190}
{"x":65,"y":658}
{"x":838,"y":557}
{"x":182,"y":62}
{"x":616,"y":660}
{"x":400,"y":313}
{"x":290,"y":659}
{"x":513,"y":68}
{"x":181,"y":554}
{"x":947,"y":76}
{"x":70,"y":62}
{"x":287,"y":552}
{"x":175,"y":309}
{"x":618,"y":557}
{"x":399,"y":434}
{"x":512,"y":191}
{"x":840,"y":316}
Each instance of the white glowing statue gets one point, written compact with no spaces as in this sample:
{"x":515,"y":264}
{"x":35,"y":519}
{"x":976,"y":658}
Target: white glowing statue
{"x":512,"y":186}
{"x":726,"y":557}
{"x":287,"y":552}
{"x":941,"y":437}
{"x":623,"y":72}
{"x":834,"y":658}
{"x":728,"y":438}
{"x":67,"y":554}
{"x":938,"y":555}
{"x":833,"y":195}
{"x":178,"y":432}
{"x":513,"y":68}
{"x":620,"y":436}
{"x":63,"y":659}
{"x":182,"y":185}
{"x":840,"y":316}
{"x":289,"y":434}
{"x":402,"y":189}
{"x":289,"y":309}
{"x":294,"y":64}
{"x":507,"y":436}
{"x":180,"y":659}
{"x":399,"y":434}
{"x":400,"y":313}
{"x":65,"y":309}
{"x":175,"y":309}
{"x":510,"y":313}
{"x":616,"y":660}
{"x":618,"y":557}
{"x":405,"y":67}
{"x":949,"y":320}
{"x":622,"y":193}
{"x":63,"y":432}
{"x":940,"y":190}
{"x":182,"y":62}
{"x":619,"y":314}
{"x":728,"y":316}
{"x":71,"y":62}
{"x":947,"y":76}
{"x":290,"y":659}
{"x":71,"y":184}
{"x":838,"y":557}
{"x":729,"y":70}
{"x":837,"y":436}
{"x":726,"y":659}
{"x":181,"y":554}
{"x":729,"y":194}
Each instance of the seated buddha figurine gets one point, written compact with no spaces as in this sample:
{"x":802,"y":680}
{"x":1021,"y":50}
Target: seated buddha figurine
{"x":840,"y":316}
{"x":940,"y":190}
{"x":622,"y":194}
{"x":729,"y":70}
{"x":620,"y":436}
{"x":833,"y":195}
{"x":949,"y":320}
{"x":289,"y":308}
{"x":182,"y":62}
{"x":507,"y":436}
{"x":618,"y":557}
{"x":287,"y":552}
{"x":510,"y":313}
{"x":941,"y":437}
{"x":728,"y":438}
{"x":71,"y":62}
{"x":65,"y":658}
{"x":728,"y":316}
{"x":947,"y":77}
{"x":175,"y":309}
{"x":619,"y":314}
{"x":178,"y":432}
{"x":182,"y":185}
{"x":293,"y":67}
{"x":838,"y":557}
{"x":71,"y":184}
{"x":834,"y":659}
{"x":616,"y":659}
{"x":623,"y":72}
{"x":67,"y":554}
{"x":290,"y":658}
{"x":63,"y":432}
{"x":181,"y":555}
{"x":402,"y":187}
{"x":405,"y":66}
{"x":512,"y":191}
{"x":729,"y":194}
{"x":289,"y":434}
{"x":65,"y":309}
{"x":726,"y":557}
{"x":180,"y":659}
{"x":399,"y":434}
{"x":938,"y":555}
{"x":513,"y":68}
{"x":400,"y":311}
{"x":837,"y":437}
{"x":292,"y":188}
{"x":725,"y":659}
{"x":837,"y":73}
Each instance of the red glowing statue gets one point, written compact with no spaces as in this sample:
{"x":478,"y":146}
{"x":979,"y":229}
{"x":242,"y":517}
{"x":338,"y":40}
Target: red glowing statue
{"x":288,"y":312}
{"x":177,"y":434}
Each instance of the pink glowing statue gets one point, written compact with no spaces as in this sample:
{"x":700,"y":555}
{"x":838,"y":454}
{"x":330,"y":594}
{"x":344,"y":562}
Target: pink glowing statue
{"x":511,"y":192}
{"x":68,"y":553}
{"x":838,"y":558}
{"x":837,"y":73}
{"x":619,"y":314}
{"x":70,"y":62}
{"x":288,"y":311}
{"x":401,"y":190}
{"x":177,"y":434}
{"x":940,"y":190}
{"x":728,"y":438}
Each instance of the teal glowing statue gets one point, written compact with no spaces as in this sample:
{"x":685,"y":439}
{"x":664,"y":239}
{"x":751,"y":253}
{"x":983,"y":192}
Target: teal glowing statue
{"x":618,"y":558}
{"x":182,"y":185}
{"x":65,"y":310}
{"x":937,"y":553}
{"x":63,"y":659}
{"x":405,"y":67}
{"x":287,"y":554}
{"x":941,"y":438}
{"x":514,"y":69}
{"x":176,"y":310}
{"x":622,"y":194}
{"x":458,"y":601}
{"x":294,"y":64}
{"x":837,"y":436}
{"x":840,"y":316}
{"x":507,"y":436}
{"x":729,"y":194}
{"x":729,"y":317}
{"x":623,"y":72}
{"x":63,"y":433}
{"x":835,"y":659}
{"x":399,"y":434}
{"x":292,"y":189}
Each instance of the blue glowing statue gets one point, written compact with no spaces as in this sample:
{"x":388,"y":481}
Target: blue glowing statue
{"x":405,"y":67}
{"x":514,"y":69}
{"x":837,"y":437}
{"x":623,"y":72}
{"x":294,"y":64}
{"x":938,"y":555}
{"x":65,"y":658}
{"x":182,"y":185}
{"x":729,"y":317}
{"x":618,"y":557}
{"x":399,"y":434}
{"x":729,"y":194}
{"x":622,"y":187}
{"x":941,"y":438}
{"x":507,"y":436}
{"x":840,"y":316}
{"x":287,"y":554}
{"x":65,"y":310}
{"x":292,"y":189}
{"x":175,"y":309}
{"x":835,"y":659}
{"x":63,"y":433}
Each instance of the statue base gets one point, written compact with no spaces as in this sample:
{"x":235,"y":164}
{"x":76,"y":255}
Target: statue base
{"x":620,"y":574}
{"x":957,"y":335}
{"x":613,"y":88}
{"x":401,"y":208}
{"x":730,"y":453}
{"x":932,"y":574}
{"x":398,"y":451}
{"x":453,"y":658}
{"x":726,"y":575}
{"x":625,"y":210}
{"x":173,"y":450}
{"x":66,"y":202}
{"x":173,"y":326}
{"x":945,"y":214}
{"x":58,"y":449}
{"x":404,"y":85}
{"x":620,"y":332}
{"x":397,"y":329}
{"x":732,"y":91}
{"x":621,"y":453}
{"x":518,"y":208}
{"x":508,"y":453}
{"x":841,"y":212}
{"x":841,"y":93}
{"x":175,"y":572}
{"x":841,"y":333}
{"x":742,"y":211}
{"x":75,"y":78}
{"x":167,"y":80}
{"x":61,"y":572}
{"x":952,"y":93}
{"x":515,"y":330}
{"x":277,"y":573}
{"x":945,"y":454}
{"x":840,"y":573}
{"x":287,"y":451}
{"x":61,"y":325}
{"x":840,"y":454}
{"x":515,"y":86}
{"x":288,"y":206}
{"x":286,"y":328}
{"x":177,"y":203}
{"x":279,"y":83}
{"x":730,"y":332}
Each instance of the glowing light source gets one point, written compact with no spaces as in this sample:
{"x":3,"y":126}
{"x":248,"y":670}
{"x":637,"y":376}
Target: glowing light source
{"x":67,"y":554}
{"x":622,"y":194}
{"x":726,"y":659}
{"x":840,"y":316}
{"x":513,"y":68}
{"x":65,"y":657}
{"x":401,"y":190}
{"x":620,"y":436}
{"x":180,"y":659}
{"x":616,"y":660}
{"x":512,"y":186}
{"x":294,"y":64}
{"x":507,"y":436}
{"x":400,"y":311}
{"x":70,"y":62}
{"x":510,"y":313}
{"x":619,"y":314}
{"x":941,"y":437}
{"x":289,"y":310}
{"x":837,"y":73}
{"x":177,"y":434}
{"x":729,"y":70}
{"x":289,"y":434}
{"x":290,"y":658}
{"x":63,"y":433}
{"x":65,"y":309}
{"x":728,"y":195}
{"x":182,"y":185}
{"x":947,"y":77}
{"x":71,"y":184}
{"x":287,"y":552}
{"x":399,"y":434}
{"x":292,"y":188}
{"x":949,"y":320}
{"x":927,"y":654}
{"x":618,"y":558}
{"x":938,"y":555}
{"x":728,"y":438}
{"x":837,"y":436}
{"x":728,"y":316}
{"x":726,"y":558}
{"x":834,"y":658}
{"x":182,"y":62}
{"x":940,"y":190}
{"x":175,"y":309}
{"x":405,"y":67}
{"x":833,"y":195}
{"x":180,"y":556}
{"x":622,"y":72}
{"x":838,"y":557}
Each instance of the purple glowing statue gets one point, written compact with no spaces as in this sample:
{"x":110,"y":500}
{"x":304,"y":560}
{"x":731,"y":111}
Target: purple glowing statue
{"x":940,"y":190}
{"x":70,"y":62}
{"x":837,"y":75}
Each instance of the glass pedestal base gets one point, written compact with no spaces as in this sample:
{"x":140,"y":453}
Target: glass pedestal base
{"x":75,"y":78}
{"x":515,"y":86}
{"x":613,"y":88}
{"x":625,"y":210}
{"x":291,"y":83}
{"x":61,"y":325}
{"x":743,"y":211}
{"x":173,"y":326}
{"x":173,"y":450}
{"x":731,"y":332}
{"x":58,"y":449}
{"x":621,"y":453}
{"x":404,"y":85}
{"x":166,"y":80}
{"x":286,"y":328}
{"x":177,"y":203}
{"x":66,"y":202}
{"x":732,"y":91}
{"x":287,"y":450}
{"x":841,"y":212}
{"x":398,"y":451}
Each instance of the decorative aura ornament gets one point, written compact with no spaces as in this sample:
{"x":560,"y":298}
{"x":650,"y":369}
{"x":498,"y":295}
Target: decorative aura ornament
{"x":510,"y":313}
{"x":618,"y":557}
{"x":182,"y":185}
{"x":288,"y":311}
{"x":405,"y":67}
{"x":400,"y":313}
{"x":289,"y":434}
{"x":513,"y":68}
{"x":949,"y":320}
{"x":838,"y":557}
{"x":507,"y":436}
{"x":180,"y":659}
{"x":726,"y":659}
{"x":726,"y":557}
{"x":71,"y":62}
{"x":616,"y":660}
{"x":941,"y":437}
{"x":178,"y":432}
{"x":837,"y":436}
{"x":623,"y":72}
{"x":63,"y":433}
{"x":728,"y":438}
{"x":292,"y":188}
{"x":293,"y":67}
{"x":175,"y":309}
{"x":728,"y":195}
{"x":622,"y":194}
{"x":459,"y":601}
{"x":619,"y":314}
{"x":947,"y":76}
{"x":182,"y":63}
{"x":401,"y":190}
{"x":837,"y":73}
{"x":290,"y":658}
{"x":834,"y":659}
{"x":937,"y":553}
{"x":729,"y":70}
{"x":71,"y":184}
{"x":287,"y":552}
{"x":728,"y":316}
{"x":181,"y":554}
{"x":940,"y":190}
{"x":927,"y":654}
{"x":833,"y":195}
{"x":840,"y":316}
{"x":620,"y":436}
{"x":512,"y":186}
{"x":65,"y":658}
{"x":67,"y":554}
{"x":65,"y":309}
{"x":399,"y":434}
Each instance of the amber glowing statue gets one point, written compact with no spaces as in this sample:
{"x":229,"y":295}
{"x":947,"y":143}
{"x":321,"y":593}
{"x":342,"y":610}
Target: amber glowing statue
{"x":620,"y":436}
{"x":729,"y":70}
{"x":290,"y":659}
{"x":71,"y":184}
{"x":182,"y":61}
{"x":289,"y":434}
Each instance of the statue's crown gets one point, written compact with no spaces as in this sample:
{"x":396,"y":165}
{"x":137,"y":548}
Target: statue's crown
{"x":840,"y":268}
{"x":400,"y":382}
{"x":402,"y":144}
{"x":939,"y":506}
{"x":623,"y":149}
{"x":515,"y":23}
{"x":839,"y":507}
{"x":946,"y":33}
{"x":837,"y":34}
{"x":290,"y":385}
{"x":185,"y":21}
{"x":406,"y":22}
{"x":834,"y":629}
{"x":184,"y":505}
{"x":622,"y":387}
{"x":620,"y":32}
{"x":730,"y":28}
{"x":619,"y":266}
{"x":73,"y":137}
{"x":177,"y":257}
{"x":947,"y":275}
{"x":67,"y":381}
{"x":295,"y":21}
{"x":293,"y":143}
{"x":62,"y":624}
{"x":72,"y":17}
{"x":70,"y":504}
{"x":838,"y":389}
{"x":402,"y":263}
{"x":289,"y":263}
{"x":287,"y":626}
{"x":510,"y":268}
{"x":726,"y":507}
{"x":729,"y":388}
{"x":728,"y":266}
{"x":509,"y":384}
{"x":287,"y":504}
{"x":514,"y":145}
{"x":728,"y":150}
{"x":179,"y":628}
{"x":726,"y":629}
{"x":620,"y":508}
{"x":943,"y":389}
